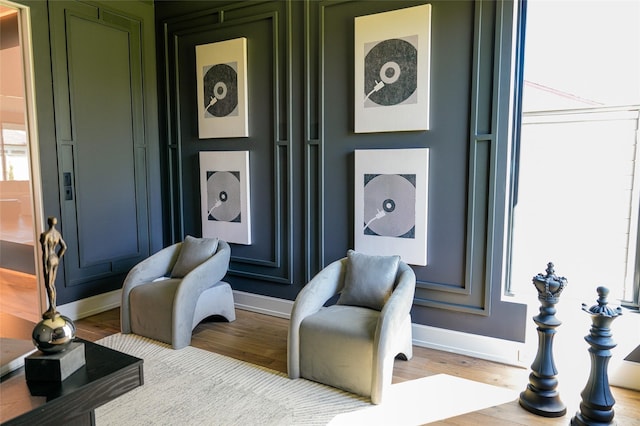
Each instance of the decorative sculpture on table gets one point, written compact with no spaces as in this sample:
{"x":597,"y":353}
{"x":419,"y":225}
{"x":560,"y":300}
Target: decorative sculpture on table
{"x":51,"y":240}
{"x":55,"y":331}
{"x":54,"y":336}
{"x":596,"y":408}
{"x":541,"y":396}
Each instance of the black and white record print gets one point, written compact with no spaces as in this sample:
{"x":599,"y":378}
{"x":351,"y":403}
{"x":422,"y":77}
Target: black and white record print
{"x":391,"y":72}
{"x":391,"y":189}
{"x":390,"y":205}
{"x":224,"y":195}
{"x":392,"y":68}
{"x":220,"y":90}
{"x":221,"y":72}
{"x":225,"y":200}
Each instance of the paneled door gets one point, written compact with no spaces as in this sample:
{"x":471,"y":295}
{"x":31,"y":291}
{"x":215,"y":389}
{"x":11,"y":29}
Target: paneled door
{"x":102,"y":153}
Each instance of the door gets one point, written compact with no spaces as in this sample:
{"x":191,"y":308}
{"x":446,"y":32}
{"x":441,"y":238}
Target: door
{"x":101,"y":149}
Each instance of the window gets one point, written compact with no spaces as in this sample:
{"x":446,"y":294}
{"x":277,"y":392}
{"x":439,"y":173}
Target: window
{"x":577,"y":174}
{"x":15,"y":152}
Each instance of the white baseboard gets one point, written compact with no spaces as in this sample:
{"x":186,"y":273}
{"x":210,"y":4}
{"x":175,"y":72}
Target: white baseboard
{"x":91,"y":305}
{"x":263,"y":304}
{"x":624,"y":374}
{"x":482,"y":347}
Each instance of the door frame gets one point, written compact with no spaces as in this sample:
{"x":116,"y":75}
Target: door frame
{"x":35,"y":184}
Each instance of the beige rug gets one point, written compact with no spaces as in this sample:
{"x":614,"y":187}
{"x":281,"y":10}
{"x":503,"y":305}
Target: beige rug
{"x":195,"y":387}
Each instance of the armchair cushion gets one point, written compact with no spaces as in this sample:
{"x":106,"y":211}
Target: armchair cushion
{"x":193,"y":252}
{"x":368,"y":280}
{"x":338,"y":342}
{"x":154,"y":303}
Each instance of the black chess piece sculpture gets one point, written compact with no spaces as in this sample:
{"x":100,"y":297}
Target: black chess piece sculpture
{"x":597,"y":403}
{"x":541,"y":397}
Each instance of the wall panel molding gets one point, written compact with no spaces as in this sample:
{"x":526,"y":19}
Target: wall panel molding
{"x":306,"y":141}
{"x":234,"y":20}
{"x":473,"y":293}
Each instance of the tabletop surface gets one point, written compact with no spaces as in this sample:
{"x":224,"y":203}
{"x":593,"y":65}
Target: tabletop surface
{"x":106,"y":374}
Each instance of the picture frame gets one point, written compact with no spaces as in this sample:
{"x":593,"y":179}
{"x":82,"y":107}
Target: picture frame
{"x":225,"y":197}
{"x":221,"y":76}
{"x":391,"y":203}
{"x":392,"y":70}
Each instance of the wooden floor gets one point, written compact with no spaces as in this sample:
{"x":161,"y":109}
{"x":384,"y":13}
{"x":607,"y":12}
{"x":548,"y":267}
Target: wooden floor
{"x":19,"y":295}
{"x":262,"y":340}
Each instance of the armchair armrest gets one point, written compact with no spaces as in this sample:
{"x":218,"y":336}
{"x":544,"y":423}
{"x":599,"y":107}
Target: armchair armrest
{"x":395,"y":312}
{"x":326,"y":284}
{"x":200,"y":278}
{"x":153,"y":267}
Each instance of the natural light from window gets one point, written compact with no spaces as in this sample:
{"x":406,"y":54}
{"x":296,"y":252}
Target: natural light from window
{"x":579,"y":180}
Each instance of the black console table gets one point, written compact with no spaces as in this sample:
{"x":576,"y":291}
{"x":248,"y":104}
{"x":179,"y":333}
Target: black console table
{"x":106,"y":375}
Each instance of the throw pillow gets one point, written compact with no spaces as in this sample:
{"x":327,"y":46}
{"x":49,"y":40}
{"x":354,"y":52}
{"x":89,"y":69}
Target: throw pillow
{"x":368,"y":280}
{"x":193,"y":252}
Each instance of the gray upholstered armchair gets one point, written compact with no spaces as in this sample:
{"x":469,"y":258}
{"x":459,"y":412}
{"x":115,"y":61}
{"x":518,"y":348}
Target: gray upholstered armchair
{"x":352,"y":345}
{"x":165,"y":296}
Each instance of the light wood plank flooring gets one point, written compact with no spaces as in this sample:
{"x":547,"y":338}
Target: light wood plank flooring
{"x":262,"y":340}
{"x":19,"y":295}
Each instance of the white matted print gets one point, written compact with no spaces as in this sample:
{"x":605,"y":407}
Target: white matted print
{"x":224,"y":195}
{"x":392,"y":70}
{"x":391,"y":195}
{"x":222,"y":89}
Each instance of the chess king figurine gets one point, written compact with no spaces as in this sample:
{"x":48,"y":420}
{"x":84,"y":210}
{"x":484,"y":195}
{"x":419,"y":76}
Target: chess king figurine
{"x":541,"y":397}
{"x":55,"y":332}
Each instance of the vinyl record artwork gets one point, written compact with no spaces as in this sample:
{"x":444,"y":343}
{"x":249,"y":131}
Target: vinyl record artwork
{"x":390,"y":205}
{"x":225,"y":198}
{"x":392,"y":70}
{"x":222,"y":89}
{"x":391,"y":196}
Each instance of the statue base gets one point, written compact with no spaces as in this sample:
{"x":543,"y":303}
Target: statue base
{"x":545,"y":404}
{"x":54,"y":367}
{"x":579,"y":420}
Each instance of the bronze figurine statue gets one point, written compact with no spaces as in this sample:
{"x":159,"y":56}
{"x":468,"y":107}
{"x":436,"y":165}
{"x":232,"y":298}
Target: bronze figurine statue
{"x":55,"y":332}
{"x":53,"y":248}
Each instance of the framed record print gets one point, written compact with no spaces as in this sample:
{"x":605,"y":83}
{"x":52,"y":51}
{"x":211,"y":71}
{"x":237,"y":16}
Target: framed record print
{"x":391,"y":196}
{"x":392,"y":70}
{"x":224,"y":195}
{"x":222,"y":89}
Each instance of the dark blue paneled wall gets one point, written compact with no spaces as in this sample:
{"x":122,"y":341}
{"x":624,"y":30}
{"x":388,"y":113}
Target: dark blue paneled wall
{"x":302,"y":142}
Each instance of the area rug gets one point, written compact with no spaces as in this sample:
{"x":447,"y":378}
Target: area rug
{"x":192,"y":386}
